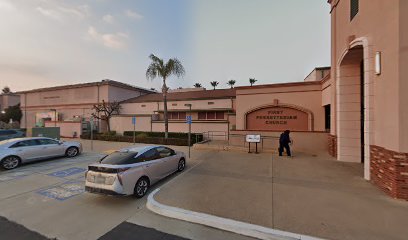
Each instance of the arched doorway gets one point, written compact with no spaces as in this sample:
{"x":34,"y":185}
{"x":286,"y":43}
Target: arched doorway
{"x":352,"y":92}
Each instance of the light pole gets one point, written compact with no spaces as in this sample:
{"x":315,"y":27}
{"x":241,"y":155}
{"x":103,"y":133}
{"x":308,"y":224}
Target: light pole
{"x":189,"y":128}
{"x":55,"y":116}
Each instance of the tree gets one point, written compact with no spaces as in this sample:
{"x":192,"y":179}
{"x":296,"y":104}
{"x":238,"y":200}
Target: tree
{"x":231,"y":83}
{"x":12,"y":112}
{"x":252,"y":81}
{"x":6,"y":90}
{"x":159,"y":68}
{"x":104,"y":111}
{"x":198,"y":85}
{"x":214,"y":84}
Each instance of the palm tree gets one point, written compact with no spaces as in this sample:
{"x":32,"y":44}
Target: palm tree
{"x":231,"y":83}
{"x":158,"y":68}
{"x":252,"y":81}
{"x":197,"y":85}
{"x":214,"y":84}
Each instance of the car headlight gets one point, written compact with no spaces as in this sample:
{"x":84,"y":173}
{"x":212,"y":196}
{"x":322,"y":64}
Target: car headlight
{"x":109,"y":180}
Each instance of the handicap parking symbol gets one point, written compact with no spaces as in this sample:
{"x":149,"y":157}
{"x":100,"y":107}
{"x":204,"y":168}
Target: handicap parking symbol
{"x":63,"y":191}
{"x":67,"y":172}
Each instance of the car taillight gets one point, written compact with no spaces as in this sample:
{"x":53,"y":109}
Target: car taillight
{"x":90,"y":177}
{"x":109,"y":180}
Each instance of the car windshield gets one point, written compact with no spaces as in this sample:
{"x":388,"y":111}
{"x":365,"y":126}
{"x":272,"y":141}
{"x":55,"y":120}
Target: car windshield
{"x":119,"y":158}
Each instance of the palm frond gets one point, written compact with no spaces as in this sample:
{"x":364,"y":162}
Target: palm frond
{"x":174,"y":66}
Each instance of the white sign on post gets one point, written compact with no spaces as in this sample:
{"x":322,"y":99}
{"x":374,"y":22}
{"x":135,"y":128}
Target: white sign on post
{"x":253,"y":138}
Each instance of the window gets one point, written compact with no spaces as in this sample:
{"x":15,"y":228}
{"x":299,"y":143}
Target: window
{"x":354,"y":7}
{"x":150,"y":155}
{"x":177,"y":115}
{"x":120,"y":158}
{"x":210,"y":103}
{"x":210,"y":115}
{"x":165,"y":152}
{"x":219,"y":115}
{"x":202,"y":115}
{"x":143,"y":105}
{"x":26,"y":143}
{"x":47,"y":141}
{"x":174,"y":104}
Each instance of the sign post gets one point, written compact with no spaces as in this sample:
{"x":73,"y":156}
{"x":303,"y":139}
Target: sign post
{"x":91,"y":122}
{"x":189,"y":120}
{"x":134,"y":129}
{"x":253,"y":139}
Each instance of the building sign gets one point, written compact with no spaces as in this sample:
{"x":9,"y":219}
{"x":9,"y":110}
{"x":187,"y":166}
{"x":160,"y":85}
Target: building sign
{"x":278,"y":119}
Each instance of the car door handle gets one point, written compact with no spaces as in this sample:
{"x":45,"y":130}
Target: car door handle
{"x":147,"y":166}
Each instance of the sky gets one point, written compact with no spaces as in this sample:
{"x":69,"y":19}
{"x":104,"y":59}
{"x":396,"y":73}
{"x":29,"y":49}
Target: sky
{"x":47,"y":43}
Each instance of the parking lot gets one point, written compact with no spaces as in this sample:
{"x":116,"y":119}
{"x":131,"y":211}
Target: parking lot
{"x":48,"y":197}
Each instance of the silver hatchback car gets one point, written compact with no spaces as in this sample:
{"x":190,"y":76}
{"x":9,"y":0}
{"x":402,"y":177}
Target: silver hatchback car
{"x":132,"y":170}
{"x":16,"y":151}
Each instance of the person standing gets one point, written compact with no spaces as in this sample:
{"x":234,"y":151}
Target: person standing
{"x":284,"y":141}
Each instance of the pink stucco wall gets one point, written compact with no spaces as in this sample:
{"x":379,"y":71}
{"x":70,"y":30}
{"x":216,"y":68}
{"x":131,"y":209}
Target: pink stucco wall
{"x":379,"y":35}
{"x":306,"y":96}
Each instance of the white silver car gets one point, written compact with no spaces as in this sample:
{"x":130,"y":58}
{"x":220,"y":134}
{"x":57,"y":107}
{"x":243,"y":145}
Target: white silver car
{"x":133,"y":170}
{"x":17,"y":151}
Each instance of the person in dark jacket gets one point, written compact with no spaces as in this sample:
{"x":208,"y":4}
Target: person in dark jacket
{"x":284,"y":141}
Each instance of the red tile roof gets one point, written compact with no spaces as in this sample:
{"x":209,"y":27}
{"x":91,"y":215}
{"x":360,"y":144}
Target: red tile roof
{"x":191,"y":95}
{"x":90,"y":84}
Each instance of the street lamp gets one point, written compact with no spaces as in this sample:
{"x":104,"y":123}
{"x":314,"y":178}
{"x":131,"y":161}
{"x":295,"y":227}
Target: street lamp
{"x":189,"y":128}
{"x":55,"y":116}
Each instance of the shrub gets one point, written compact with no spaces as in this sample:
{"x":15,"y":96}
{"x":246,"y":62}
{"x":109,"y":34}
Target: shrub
{"x":142,"y":135}
{"x":110,"y":133}
{"x":195,"y":137}
{"x":148,"y":140}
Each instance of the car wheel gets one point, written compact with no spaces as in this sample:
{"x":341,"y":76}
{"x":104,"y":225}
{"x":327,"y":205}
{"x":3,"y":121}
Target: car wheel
{"x":181,"y":165}
{"x":10,"y":162}
{"x":142,"y":185}
{"x":72,"y":152}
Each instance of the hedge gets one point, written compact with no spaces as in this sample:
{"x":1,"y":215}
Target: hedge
{"x":148,"y":140}
{"x":194,"y":136}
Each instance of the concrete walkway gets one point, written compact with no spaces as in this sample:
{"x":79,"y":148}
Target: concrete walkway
{"x":311,"y":195}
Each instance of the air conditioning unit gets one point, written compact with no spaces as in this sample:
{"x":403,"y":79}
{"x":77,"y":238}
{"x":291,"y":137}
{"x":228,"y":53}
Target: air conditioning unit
{"x":155,"y":117}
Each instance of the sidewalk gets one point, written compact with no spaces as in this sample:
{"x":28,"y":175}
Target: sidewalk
{"x":311,"y":195}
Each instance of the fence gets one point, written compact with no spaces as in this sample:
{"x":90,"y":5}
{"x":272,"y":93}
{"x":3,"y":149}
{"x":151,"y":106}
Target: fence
{"x":215,"y":135}
{"x":312,"y":142}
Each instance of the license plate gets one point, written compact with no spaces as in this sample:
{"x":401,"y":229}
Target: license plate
{"x":100,"y":179}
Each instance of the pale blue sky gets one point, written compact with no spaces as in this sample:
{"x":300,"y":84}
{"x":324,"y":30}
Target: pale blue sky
{"x":55,"y":42}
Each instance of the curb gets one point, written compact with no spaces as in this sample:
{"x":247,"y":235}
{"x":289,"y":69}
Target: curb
{"x":247,"y":229}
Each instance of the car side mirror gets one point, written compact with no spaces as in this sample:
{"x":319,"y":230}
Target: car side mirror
{"x":60,"y":142}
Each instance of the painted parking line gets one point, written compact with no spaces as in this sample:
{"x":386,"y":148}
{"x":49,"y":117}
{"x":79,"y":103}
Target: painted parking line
{"x":64,"y":191}
{"x":14,"y":175}
{"x":67,"y":172}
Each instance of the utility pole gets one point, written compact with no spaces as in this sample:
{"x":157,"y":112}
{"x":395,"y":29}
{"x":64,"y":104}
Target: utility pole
{"x":189,"y":121}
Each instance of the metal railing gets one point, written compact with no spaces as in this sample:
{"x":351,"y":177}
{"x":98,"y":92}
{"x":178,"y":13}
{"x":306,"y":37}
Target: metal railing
{"x":266,"y":141}
{"x":215,"y":135}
